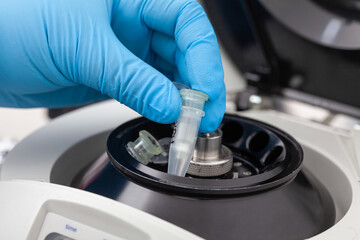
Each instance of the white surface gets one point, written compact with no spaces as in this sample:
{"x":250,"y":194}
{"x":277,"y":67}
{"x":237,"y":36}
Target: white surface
{"x":18,"y":123}
{"x":25,"y":217}
{"x":41,"y":149}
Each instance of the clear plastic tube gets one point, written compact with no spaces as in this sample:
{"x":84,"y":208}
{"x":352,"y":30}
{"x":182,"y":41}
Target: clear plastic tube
{"x":186,"y":130}
{"x":144,"y":147}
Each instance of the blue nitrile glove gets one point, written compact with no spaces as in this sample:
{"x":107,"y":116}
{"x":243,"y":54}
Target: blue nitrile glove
{"x":63,"y":52}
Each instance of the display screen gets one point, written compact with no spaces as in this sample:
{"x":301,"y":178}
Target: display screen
{"x":58,"y":227}
{"x":57,"y":236}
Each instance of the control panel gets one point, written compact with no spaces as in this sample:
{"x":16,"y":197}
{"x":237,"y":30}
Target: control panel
{"x":57,"y":227}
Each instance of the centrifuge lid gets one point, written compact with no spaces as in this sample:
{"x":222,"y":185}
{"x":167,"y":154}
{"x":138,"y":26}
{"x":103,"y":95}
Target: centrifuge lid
{"x":299,"y":49}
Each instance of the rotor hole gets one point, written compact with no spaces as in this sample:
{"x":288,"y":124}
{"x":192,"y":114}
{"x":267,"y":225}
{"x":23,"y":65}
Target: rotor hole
{"x":258,"y":142}
{"x":232,"y":132}
{"x":274,"y":155}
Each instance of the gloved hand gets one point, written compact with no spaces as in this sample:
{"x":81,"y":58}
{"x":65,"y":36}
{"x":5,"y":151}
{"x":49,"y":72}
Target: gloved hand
{"x":66,"y":52}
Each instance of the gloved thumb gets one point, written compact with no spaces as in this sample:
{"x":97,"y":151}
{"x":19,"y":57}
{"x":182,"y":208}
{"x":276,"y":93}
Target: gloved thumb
{"x":106,"y":65}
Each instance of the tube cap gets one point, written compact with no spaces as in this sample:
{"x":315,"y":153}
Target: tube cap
{"x":193,"y":98}
{"x":144,"y":147}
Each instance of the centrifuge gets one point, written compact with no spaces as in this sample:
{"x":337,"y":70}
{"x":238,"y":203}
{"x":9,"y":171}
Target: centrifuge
{"x":284,"y":163}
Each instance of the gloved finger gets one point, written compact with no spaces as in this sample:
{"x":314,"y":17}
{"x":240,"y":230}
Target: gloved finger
{"x":166,"y":49}
{"x":65,"y":97}
{"x":129,"y":28}
{"x":212,"y":120}
{"x":187,"y":22}
{"x":164,"y":46}
{"x":199,"y":62}
{"x":163,"y":65}
{"x":107,"y":66}
{"x":179,"y":79}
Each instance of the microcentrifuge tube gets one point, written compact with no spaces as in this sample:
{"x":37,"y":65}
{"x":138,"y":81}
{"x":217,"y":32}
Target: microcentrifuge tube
{"x":144,"y":147}
{"x":186,"y":131}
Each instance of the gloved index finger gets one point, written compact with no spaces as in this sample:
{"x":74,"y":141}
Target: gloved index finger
{"x":198,"y":58}
{"x":162,"y":15}
{"x":174,"y":17}
{"x":186,"y":21}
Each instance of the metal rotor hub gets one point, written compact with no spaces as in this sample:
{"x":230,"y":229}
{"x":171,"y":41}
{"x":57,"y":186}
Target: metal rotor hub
{"x":210,"y":157}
